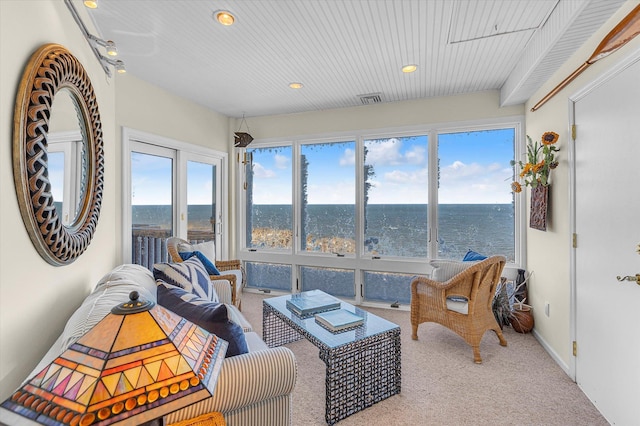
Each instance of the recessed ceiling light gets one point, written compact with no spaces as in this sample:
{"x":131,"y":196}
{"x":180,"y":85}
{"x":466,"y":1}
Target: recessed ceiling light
{"x":409,"y":68}
{"x":224,"y":17}
{"x":295,"y":85}
{"x":91,"y":4}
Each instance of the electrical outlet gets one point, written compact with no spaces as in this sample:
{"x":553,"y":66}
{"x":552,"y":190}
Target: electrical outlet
{"x":546,"y":308}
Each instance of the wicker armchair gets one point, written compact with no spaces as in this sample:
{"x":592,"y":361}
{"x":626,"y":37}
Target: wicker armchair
{"x":432,"y":301}
{"x":222,"y":265}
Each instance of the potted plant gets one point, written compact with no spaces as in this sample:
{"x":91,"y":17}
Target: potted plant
{"x":509,"y":309}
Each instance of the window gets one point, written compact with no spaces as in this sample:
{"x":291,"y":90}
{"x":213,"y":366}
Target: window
{"x":268,"y":198}
{"x":358,"y":216}
{"x":396,"y":196}
{"x":327,"y":197}
{"x":66,"y":159}
{"x":475,"y":204}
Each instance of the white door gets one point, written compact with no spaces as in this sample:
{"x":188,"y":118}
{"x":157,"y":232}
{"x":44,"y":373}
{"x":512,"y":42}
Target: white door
{"x":607,"y":224}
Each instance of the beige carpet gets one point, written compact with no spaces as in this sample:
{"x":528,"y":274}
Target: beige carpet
{"x":516,"y":385}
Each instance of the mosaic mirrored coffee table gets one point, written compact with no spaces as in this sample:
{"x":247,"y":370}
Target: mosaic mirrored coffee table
{"x":363,"y":363}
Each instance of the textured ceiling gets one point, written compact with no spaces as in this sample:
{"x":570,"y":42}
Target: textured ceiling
{"x":341,"y":50}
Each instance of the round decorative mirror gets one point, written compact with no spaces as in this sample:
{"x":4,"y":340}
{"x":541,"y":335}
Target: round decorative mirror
{"x":53,"y":71}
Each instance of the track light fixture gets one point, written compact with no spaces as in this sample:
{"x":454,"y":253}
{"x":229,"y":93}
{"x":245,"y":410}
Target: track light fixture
{"x":96,"y":42}
{"x":109,"y":45}
{"x":115,"y":63}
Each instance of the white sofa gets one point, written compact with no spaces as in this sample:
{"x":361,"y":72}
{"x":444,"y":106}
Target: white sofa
{"x":253,"y":388}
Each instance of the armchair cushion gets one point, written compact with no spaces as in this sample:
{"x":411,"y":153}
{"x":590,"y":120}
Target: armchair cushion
{"x":211,"y":316}
{"x":443,"y":270}
{"x":208,"y":265}
{"x":190,"y":275}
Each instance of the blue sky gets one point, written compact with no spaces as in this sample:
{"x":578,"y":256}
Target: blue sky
{"x":151,"y":180}
{"x":474,"y":169}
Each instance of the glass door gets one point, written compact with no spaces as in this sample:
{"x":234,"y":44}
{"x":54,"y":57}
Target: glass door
{"x":204,"y":219}
{"x":152,"y":202}
{"x":171,"y":189}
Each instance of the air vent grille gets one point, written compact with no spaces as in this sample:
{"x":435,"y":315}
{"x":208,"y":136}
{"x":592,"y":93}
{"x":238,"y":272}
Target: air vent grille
{"x":371,"y":98}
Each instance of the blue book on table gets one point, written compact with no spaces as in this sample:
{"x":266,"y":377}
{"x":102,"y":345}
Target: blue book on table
{"x":339,"y":319}
{"x":312,"y":302}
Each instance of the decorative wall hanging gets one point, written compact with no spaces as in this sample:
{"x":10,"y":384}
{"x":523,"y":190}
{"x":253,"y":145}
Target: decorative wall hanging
{"x":242,"y":139}
{"x":51,"y":69}
{"x":538,"y":212}
{"x":535,"y":173}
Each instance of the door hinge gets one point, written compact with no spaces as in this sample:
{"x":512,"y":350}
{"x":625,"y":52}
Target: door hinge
{"x":574,"y":131}
{"x":575,"y":348}
{"x":574,"y":241}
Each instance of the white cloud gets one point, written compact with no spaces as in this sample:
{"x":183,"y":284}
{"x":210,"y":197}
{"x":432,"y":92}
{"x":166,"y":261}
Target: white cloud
{"x":462,"y":183}
{"x":281,"y":161}
{"x":262,"y":173}
{"x":386,"y":152}
{"x":348,"y":157}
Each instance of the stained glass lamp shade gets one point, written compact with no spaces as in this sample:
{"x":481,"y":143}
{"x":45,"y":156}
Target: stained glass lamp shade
{"x":137,"y":364}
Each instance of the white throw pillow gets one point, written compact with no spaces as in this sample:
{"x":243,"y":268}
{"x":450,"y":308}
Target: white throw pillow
{"x":444,"y":270}
{"x":207,"y":248}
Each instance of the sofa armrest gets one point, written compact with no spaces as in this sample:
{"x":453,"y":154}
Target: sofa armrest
{"x":223,"y":289}
{"x":245,"y":380}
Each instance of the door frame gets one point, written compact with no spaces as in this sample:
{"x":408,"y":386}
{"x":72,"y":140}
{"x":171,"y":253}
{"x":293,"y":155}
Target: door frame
{"x":612,"y":72}
{"x":184,"y":152}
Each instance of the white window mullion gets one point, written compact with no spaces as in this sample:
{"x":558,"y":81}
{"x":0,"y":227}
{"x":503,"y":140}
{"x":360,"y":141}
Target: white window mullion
{"x":432,"y":215}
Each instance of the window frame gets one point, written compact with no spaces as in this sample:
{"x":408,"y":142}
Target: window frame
{"x":359,"y":262}
{"x":184,"y":152}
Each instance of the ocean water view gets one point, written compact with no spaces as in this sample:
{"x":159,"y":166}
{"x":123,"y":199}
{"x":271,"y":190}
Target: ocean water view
{"x":402,"y":229}
{"x":391,"y":229}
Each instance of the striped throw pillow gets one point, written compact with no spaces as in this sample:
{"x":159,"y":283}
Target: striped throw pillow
{"x":190,"y":275}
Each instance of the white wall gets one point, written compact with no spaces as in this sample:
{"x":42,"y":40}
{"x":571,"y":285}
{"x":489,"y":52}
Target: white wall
{"x":36,"y":298}
{"x":548,"y":253}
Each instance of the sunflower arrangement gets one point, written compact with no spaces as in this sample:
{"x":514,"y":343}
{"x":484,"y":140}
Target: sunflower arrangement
{"x":540,"y":161}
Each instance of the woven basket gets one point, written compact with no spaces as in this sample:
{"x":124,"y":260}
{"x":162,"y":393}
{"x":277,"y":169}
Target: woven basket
{"x":210,"y":419}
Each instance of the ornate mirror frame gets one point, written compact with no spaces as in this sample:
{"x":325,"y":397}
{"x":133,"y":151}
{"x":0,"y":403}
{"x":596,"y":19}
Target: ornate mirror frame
{"x":50,"y":69}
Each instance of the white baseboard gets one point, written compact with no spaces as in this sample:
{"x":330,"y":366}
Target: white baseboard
{"x":567,"y":369}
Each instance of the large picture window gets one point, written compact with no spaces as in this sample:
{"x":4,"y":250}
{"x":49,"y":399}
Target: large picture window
{"x":396,"y":196}
{"x":268,"y":193}
{"x":358,"y":216}
{"x":475,"y":204}
{"x":327,"y":197}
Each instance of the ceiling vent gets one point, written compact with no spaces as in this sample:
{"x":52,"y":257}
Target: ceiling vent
{"x":371,"y":98}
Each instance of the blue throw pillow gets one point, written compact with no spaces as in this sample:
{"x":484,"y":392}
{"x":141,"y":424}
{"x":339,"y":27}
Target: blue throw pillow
{"x":472,"y":255}
{"x":189,"y":275}
{"x":211,"y":316}
{"x":208,"y":265}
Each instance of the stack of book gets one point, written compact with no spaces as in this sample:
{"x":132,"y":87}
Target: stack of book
{"x":339,"y":320}
{"x":308,"y":303}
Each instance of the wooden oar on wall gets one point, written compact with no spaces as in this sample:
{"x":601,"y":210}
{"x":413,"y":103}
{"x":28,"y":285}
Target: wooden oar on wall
{"x":624,"y":32}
